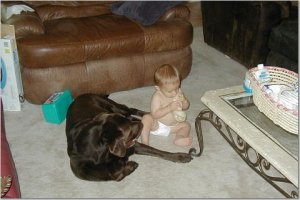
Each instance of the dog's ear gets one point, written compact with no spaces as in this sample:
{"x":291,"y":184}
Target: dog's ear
{"x":118,"y":148}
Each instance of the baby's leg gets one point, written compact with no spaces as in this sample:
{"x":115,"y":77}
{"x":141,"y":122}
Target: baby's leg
{"x":148,"y":123}
{"x":182,"y":131}
{"x":183,"y":142}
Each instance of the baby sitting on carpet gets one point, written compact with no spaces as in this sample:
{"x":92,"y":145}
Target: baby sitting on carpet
{"x":166,"y":115}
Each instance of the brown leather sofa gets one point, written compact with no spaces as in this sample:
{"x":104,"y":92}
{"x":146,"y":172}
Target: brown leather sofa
{"x":83,"y":47}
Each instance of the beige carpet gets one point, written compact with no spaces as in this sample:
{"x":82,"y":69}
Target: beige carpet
{"x":39,"y":148}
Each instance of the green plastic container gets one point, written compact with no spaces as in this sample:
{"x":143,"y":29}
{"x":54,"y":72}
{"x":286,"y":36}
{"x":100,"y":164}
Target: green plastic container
{"x":56,"y":107}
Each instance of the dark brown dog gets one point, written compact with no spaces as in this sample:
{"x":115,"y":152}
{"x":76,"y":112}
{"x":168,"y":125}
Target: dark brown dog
{"x":101,"y":136}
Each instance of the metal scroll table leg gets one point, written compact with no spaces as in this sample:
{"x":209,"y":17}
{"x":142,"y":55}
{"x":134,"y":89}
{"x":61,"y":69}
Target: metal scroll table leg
{"x":202,"y":116}
{"x":257,"y":162}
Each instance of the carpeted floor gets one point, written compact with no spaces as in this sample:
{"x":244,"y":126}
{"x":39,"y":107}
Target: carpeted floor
{"x":39,"y":148}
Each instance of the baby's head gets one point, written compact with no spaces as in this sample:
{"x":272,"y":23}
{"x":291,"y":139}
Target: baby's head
{"x":167,"y":80}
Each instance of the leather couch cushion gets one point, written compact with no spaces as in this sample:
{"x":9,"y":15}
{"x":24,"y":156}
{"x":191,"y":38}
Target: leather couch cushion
{"x":49,"y":12}
{"x":91,"y":38}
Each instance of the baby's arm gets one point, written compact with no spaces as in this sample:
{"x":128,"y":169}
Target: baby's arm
{"x":185,"y":102}
{"x":158,"y":112}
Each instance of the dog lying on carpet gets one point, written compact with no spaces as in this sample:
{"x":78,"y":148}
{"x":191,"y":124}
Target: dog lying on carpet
{"x":102,"y":134}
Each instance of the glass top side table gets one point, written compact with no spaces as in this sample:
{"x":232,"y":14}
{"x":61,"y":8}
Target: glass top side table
{"x":268,"y":149}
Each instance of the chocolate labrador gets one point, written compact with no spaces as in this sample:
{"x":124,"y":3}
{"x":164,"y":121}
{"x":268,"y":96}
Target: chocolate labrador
{"x":102,"y":134}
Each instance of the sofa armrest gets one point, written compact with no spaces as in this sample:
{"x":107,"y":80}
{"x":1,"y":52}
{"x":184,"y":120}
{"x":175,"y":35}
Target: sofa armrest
{"x":26,"y":23}
{"x":179,"y":11}
{"x":23,"y":16}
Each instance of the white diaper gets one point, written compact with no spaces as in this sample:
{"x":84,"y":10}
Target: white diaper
{"x":162,"y":130}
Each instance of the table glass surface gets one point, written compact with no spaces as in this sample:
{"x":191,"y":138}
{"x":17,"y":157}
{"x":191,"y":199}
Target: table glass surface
{"x":243,"y":103}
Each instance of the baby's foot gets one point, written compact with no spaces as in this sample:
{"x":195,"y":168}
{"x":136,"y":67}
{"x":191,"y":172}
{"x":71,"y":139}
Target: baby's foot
{"x":183,"y":142}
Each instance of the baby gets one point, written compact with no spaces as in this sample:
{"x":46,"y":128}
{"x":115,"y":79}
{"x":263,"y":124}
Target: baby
{"x":166,"y":101}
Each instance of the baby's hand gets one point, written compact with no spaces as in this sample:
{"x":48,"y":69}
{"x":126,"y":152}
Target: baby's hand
{"x":183,"y":100}
{"x":179,"y":97}
{"x":175,"y":105}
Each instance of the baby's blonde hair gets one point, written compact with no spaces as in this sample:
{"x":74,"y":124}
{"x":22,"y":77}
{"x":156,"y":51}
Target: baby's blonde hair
{"x":166,"y":74}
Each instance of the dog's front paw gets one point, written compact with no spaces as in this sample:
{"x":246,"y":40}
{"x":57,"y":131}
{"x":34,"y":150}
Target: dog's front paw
{"x":183,"y":157}
{"x":131,"y":165}
{"x":127,"y":169}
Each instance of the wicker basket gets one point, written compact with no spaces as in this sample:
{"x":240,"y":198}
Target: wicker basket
{"x":278,"y":113}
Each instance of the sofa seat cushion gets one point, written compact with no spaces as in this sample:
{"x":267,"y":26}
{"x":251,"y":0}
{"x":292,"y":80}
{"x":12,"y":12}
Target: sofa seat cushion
{"x":92,"y":38}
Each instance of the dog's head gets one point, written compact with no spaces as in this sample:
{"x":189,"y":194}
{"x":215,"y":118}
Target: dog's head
{"x":119,"y":132}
